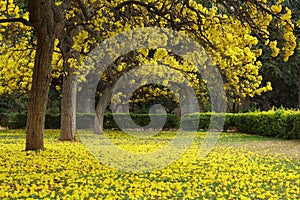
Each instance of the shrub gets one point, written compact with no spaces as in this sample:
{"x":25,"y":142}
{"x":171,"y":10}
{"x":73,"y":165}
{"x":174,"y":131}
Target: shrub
{"x":275,"y":123}
{"x":279,"y":123}
{"x":52,"y":121}
{"x":263,"y":123}
{"x":292,"y":125}
{"x":86,"y":121}
{"x":17,"y":120}
{"x":204,"y":121}
{"x":3,"y":120}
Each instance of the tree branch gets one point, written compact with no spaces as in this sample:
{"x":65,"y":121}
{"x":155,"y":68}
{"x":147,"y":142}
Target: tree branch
{"x":83,"y":9}
{"x":14,"y":20}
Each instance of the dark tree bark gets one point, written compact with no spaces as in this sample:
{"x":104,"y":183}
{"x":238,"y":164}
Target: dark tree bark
{"x":41,"y":15}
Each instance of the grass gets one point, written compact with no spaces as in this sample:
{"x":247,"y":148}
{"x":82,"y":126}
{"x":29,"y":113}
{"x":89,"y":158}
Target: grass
{"x":239,"y":167}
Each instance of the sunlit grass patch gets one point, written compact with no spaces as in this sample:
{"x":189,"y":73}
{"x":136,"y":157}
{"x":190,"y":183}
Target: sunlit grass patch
{"x":68,"y":171}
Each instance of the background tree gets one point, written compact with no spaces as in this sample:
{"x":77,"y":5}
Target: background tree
{"x":231,"y":38}
{"x":284,"y":75}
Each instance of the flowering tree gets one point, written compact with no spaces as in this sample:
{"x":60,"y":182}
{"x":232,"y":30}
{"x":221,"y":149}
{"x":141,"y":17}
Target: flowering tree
{"x":228,"y":30}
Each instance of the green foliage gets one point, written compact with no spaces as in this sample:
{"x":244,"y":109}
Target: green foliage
{"x":293,"y":125}
{"x":85,"y":121}
{"x":280,"y":123}
{"x":17,"y":120}
{"x":204,"y":120}
{"x":284,"y":79}
{"x":3,"y":120}
{"x":52,"y":121}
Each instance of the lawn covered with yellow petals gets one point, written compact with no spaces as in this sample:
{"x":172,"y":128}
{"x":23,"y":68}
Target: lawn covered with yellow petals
{"x":235,"y":169}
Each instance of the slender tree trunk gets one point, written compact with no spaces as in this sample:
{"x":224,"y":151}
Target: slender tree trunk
{"x":100,"y":110}
{"x":69,"y":92}
{"x":88,"y":107}
{"x":68,"y":105}
{"x":41,"y":14}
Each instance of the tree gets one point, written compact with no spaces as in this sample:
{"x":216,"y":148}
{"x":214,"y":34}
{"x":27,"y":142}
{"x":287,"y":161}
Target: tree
{"x":44,"y":17}
{"x":69,"y":88}
{"x":229,"y":38}
{"x":295,"y":7}
{"x":284,"y":75}
{"x":284,"y":79}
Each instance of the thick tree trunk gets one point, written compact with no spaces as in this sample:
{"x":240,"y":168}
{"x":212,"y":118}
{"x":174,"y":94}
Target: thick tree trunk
{"x":41,"y":14}
{"x":68,"y":105}
{"x":100,"y":110}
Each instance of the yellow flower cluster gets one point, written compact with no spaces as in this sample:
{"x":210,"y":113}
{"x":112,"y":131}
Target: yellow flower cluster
{"x":68,"y":171}
{"x":81,"y":43}
{"x":16,"y":70}
{"x":230,"y":42}
{"x":289,"y":37}
{"x":273,"y":46}
{"x":16,"y":65}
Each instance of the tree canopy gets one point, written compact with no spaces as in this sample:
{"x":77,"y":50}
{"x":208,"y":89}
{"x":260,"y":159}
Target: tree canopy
{"x":41,"y":37}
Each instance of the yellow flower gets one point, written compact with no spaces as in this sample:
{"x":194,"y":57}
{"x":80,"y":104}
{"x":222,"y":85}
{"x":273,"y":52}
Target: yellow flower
{"x":269,"y":87}
{"x":276,"y":8}
{"x":298,"y":23}
{"x":273,"y":44}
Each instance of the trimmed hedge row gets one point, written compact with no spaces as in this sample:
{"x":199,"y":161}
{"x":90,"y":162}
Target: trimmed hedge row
{"x":86,"y":121}
{"x":204,"y":119}
{"x":280,"y":123}
{"x":18,"y":121}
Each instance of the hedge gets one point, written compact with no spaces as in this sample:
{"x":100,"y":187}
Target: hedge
{"x":280,"y":123}
{"x":204,"y":120}
{"x":3,"y":120}
{"x":293,"y":125}
{"x":86,"y":121}
{"x":18,"y":121}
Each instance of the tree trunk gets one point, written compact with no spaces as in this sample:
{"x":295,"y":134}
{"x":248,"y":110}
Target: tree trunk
{"x":68,"y":104}
{"x":100,"y":110}
{"x":41,"y":14}
{"x":89,"y":105}
{"x":299,"y":88}
{"x":69,"y":92}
